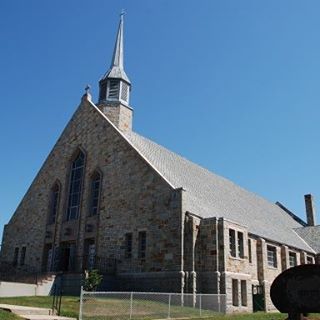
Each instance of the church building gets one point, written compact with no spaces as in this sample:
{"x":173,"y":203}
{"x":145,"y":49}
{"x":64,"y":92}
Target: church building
{"x":110,"y":199}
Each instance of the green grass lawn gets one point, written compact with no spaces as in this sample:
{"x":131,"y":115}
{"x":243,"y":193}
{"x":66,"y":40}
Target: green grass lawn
{"x":118,"y":309}
{"x":4,"y":315}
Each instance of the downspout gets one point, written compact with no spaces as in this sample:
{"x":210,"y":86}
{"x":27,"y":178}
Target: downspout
{"x":182,"y":273}
{"x":217,"y":256}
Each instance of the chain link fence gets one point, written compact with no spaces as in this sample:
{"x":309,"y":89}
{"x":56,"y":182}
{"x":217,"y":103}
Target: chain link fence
{"x":149,"y":305}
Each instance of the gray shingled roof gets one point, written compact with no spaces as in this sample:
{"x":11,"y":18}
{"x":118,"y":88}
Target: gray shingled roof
{"x":210,"y":195}
{"x":311,"y":235}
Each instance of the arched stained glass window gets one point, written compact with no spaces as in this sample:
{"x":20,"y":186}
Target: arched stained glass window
{"x":75,"y":187}
{"x":95,"y":194}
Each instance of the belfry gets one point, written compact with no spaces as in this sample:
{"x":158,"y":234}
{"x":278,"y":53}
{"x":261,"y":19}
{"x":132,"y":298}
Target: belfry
{"x":115,"y":86}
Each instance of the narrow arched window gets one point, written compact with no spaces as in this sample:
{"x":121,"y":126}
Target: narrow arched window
{"x":95,"y":194}
{"x":55,"y":196}
{"x":75,"y":187}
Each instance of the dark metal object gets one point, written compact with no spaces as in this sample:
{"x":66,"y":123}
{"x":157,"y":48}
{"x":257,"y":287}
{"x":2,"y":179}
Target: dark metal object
{"x":296,"y":291}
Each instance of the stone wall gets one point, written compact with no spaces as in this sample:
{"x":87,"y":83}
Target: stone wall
{"x":134,"y":198}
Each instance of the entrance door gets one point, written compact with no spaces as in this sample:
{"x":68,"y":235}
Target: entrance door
{"x":68,"y":257}
{"x":258,"y":298}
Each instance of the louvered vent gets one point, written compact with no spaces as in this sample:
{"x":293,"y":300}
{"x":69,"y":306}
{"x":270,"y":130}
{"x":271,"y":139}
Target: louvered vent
{"x":113,"y":89}
{"x":124,"y":92}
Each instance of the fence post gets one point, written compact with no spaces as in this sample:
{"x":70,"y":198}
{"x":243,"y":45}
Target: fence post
{"x":169,"y":305}
{"x":131,"y":302}
{"x":81,"y":303}
{"x":200,"y":304}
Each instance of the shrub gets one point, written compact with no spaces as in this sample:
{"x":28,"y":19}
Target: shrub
{"x":92,"y":280}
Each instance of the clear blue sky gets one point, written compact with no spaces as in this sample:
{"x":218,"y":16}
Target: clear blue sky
{"x":231,"y":85}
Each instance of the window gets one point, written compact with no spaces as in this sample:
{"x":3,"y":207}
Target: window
{"x":232,"y":242}
{"x":75,"y":187}
{"x":15,"y":256}
{"x":113,"y":89}
{"x":55,"y":195}
{"x":235,"y":293}
{"x":272,"y":256}
{"x":249,"y":251}
{"x":243,"y":292}
{"x":95,"y":194}
{"x":309,"y":260}
{"x":292,"y":259}
{"x":128,"y":245}
{"x":142,"y":244}
{"x":240,"y":245}
{"x":124,"y":91}
{"x":23,"y":256}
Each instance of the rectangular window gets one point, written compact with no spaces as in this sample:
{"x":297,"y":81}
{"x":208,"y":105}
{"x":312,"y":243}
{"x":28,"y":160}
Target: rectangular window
{"x":232,"y":242}
{"x":15,"y":256}
{"x":244,"y":293}
{"x":309,"y":260}
{"x":128,"y":245}
{"x":235,"y":293}
{"x":292,"y":259}
{"x":142,"y":244}
{"x":272,"y":256}
{"x":249,"y":251}
{"x":240,"y":245}
{"x":23,"y":256}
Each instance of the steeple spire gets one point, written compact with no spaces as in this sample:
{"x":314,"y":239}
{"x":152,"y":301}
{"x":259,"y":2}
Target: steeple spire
{"x":117,"y":59}
{"x":115,"y":85}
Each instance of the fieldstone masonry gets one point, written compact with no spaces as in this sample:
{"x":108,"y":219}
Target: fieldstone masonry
{"x":182,"y":251}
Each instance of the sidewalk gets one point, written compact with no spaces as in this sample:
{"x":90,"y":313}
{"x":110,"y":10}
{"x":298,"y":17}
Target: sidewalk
{"x":32,"y":313}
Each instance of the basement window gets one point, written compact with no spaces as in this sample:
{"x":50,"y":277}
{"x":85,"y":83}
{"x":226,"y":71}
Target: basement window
{"x":244,"y":301}
{"x":235,"y":292}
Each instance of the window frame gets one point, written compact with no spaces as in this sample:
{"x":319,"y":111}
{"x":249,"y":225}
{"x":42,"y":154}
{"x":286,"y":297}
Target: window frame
{"x":249,"y":250}
{"x":71,"y":193}
{"x":232,"y":243}
{"x":293,"y":260}
{"x":243,"y":292}
{"x":240,"y":244}
{"x":273,"y":263}
{"x":235,"y":292}
{"x":96,"y":174}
